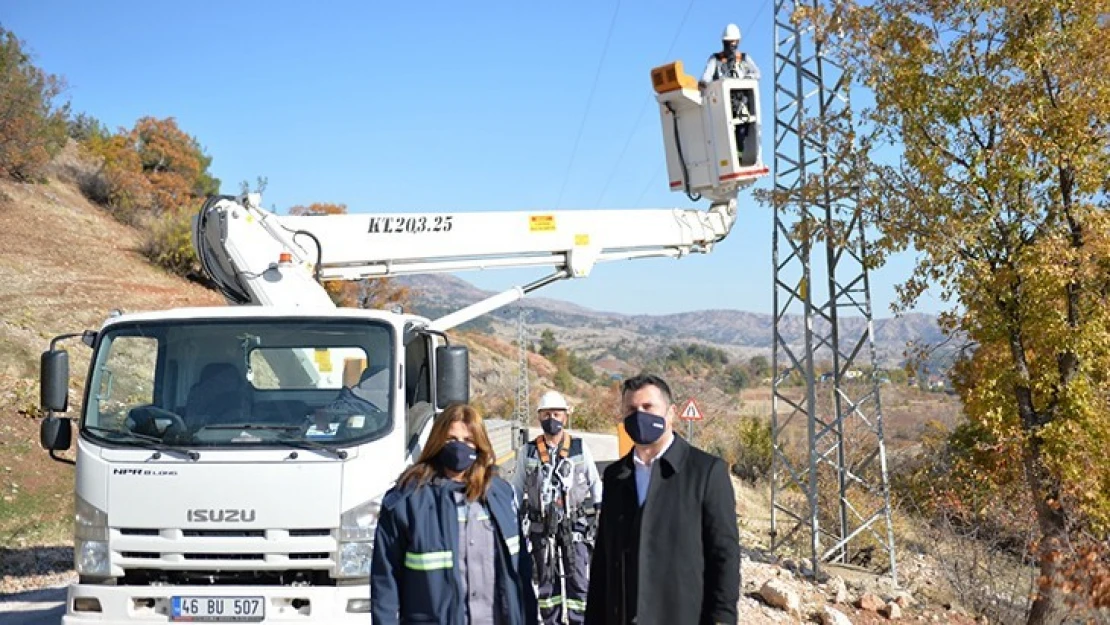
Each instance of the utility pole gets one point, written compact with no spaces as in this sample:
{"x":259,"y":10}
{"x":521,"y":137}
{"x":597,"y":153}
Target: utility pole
{"x":836,"y":488}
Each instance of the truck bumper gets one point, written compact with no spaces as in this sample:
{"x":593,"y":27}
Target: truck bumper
{"x":152,"y":604}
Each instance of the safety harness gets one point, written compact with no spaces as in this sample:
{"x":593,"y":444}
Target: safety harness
{"x":553,"y":512}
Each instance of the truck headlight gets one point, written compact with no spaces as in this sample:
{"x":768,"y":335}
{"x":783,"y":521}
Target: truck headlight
{"x":354,"y":559}
{"x":91,"y":555}
{"x":356,"y":539}
{"x":91,"y":558}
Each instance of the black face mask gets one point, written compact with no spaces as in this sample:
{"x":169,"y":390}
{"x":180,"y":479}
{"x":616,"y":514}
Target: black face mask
{"x":457,"y":456}
{"x":551,"y":426}
{"x":644,"y":428}
{"x":730,"y":47}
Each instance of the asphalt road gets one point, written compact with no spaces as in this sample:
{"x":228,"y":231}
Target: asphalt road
{"x":37,"y":607}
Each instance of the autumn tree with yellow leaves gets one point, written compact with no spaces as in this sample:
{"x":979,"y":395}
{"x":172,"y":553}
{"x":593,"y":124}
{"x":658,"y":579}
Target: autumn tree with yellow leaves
{"x":985,"y":147}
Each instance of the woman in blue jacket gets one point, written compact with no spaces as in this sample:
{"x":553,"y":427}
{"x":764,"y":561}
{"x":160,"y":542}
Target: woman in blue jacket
{"x":447,"y":548}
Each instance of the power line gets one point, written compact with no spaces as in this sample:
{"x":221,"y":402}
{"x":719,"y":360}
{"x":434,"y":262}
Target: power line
{"x":643,"y":109}
{"x":589,"y":103}
{"x":755,"y":17}
{"x":650,"y":182}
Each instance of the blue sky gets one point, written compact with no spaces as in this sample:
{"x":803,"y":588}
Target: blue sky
{"x":430,"y":106}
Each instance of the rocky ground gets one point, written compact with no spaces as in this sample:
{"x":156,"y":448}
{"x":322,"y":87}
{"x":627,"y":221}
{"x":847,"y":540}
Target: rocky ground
{"x":784,"y":591}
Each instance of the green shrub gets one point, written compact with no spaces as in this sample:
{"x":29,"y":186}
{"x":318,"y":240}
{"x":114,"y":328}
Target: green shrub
{"x":170,"y":245}
{"x":754,"y":449}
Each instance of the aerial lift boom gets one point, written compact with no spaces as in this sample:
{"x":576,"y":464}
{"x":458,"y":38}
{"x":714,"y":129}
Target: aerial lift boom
{"x":712,"y":147}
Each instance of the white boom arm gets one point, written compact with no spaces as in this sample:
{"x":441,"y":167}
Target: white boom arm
{"x":262,"y":258}
{"x":257,"y":257}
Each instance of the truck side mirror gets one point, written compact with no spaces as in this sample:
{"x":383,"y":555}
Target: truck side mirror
{"x":54,"y":376}
{"x":55,"y":433}
{"x":452,"y":375}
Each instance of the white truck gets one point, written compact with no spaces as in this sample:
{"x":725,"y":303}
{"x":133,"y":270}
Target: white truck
{"x":230,"y":460}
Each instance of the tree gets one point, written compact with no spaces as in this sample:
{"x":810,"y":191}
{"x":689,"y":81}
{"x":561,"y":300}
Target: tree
{"x":580,"y":367}
{"x":153,"y":171}
{"x":377,"y":293}
{"x":735,"y":379}
{"x":563,"y":380}
{"x":548,"y":344}
{"x":84,"y":127}
{"x":119,"y":184}
{"x":32,"y":127}
{"x":998,"y":112}
{"x":759,"y":366}
{"x":174,"y":163}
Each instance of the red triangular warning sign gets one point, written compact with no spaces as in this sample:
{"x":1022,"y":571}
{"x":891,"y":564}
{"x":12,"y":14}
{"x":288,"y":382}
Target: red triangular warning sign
{"x":690,"y":411}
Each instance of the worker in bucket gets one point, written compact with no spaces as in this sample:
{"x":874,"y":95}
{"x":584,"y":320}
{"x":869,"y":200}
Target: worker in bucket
{"x":730,"y":62}
{"x":447,"y":548}
{"x":561,"y":490}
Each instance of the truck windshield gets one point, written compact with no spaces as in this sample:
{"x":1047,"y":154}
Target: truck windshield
{"x":242,"y":383}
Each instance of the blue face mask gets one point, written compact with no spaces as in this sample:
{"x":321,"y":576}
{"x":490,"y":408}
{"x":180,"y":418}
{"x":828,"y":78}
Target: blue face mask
{"x":551,"y":426}
{"x":644,"y":428}
{"x":457,"y":456}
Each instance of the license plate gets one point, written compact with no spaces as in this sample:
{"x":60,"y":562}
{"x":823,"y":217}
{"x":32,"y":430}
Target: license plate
{"x":218,"y":609}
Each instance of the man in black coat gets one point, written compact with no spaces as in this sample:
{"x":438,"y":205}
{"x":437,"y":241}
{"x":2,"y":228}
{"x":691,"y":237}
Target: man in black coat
{"x":668,"y":548}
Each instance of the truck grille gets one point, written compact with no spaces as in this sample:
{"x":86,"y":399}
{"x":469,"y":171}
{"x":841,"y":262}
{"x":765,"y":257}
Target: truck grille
{"x":225,"y":555}
{"x":226,"y":533}
{"x":290,"y":577}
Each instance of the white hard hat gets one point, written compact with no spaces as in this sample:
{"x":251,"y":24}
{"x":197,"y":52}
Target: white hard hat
{"x":732,"y":33}
{"x":553,"y":400}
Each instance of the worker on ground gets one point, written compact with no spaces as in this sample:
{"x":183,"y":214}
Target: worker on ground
{"x":561,"y":490}
{"x":730,"y":62}
{"x":447,"y":548}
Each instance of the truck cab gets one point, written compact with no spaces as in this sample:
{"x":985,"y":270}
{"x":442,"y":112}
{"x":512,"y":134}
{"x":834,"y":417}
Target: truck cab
{"x":230,"y":461}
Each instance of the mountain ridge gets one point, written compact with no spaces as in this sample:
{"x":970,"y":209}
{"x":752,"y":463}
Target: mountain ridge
{"x":601,"y":333}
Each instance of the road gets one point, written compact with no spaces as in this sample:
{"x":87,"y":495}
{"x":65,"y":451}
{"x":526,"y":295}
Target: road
{"x":36,"y":607}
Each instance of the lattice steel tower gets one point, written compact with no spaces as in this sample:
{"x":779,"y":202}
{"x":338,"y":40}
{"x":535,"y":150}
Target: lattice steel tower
{"x":829,"y":479}
{"x":523,"y":412}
